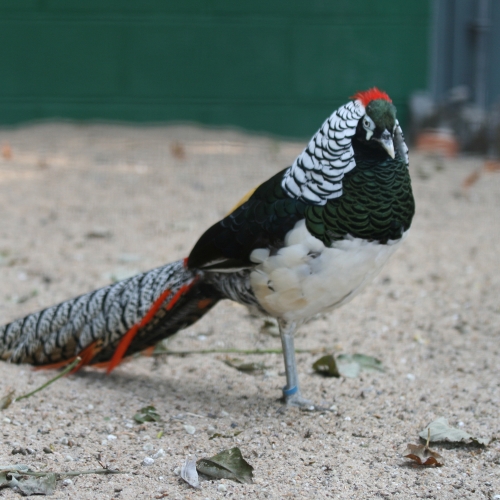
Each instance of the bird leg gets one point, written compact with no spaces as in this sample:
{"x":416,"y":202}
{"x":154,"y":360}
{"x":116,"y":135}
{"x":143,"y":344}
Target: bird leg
{"x":291,"y":392}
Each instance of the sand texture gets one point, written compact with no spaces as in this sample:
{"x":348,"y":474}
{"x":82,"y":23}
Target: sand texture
{"x":83,"y":205}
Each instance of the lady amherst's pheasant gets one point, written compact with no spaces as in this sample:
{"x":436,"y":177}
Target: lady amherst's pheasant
{"x":306,"y":241}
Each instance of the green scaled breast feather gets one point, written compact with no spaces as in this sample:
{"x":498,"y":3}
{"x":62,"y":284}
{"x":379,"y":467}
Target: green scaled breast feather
{"x":377,"y":204}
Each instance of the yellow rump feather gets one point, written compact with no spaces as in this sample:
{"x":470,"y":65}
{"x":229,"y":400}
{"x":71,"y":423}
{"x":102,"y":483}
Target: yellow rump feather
{"x":243,"y":200}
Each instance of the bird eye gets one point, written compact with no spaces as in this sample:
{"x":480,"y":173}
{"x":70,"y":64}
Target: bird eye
{"x":368,"y":123}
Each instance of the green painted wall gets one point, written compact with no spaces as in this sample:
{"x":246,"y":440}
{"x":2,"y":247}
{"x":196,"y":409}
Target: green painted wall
{"x":270,"y":65}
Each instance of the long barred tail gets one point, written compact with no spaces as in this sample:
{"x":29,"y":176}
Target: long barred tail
{"x":110,"y":323}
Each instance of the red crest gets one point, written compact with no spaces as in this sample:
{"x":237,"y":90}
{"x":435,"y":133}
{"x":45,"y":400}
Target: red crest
{"x":370,"y":95}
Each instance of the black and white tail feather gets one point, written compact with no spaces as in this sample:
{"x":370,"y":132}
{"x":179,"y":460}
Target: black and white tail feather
{"x":63,"y":331}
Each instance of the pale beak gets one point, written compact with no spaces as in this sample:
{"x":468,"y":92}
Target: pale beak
{"x":387,"y":144}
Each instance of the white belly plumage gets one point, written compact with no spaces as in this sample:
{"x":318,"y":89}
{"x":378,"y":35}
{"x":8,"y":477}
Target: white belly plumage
{"x":305,"y":277}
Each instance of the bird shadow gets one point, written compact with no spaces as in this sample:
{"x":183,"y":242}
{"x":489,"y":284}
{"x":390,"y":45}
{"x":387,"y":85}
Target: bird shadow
{"x":185,"y":393}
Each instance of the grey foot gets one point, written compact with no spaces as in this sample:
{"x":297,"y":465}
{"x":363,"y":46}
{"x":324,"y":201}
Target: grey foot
{"x":295,"y":398}
{"x":298,"y":401}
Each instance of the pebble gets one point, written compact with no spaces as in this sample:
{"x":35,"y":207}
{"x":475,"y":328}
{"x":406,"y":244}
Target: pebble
{"x":148,"y":447}
{"x":7,"y":420}
{"x":148,"y":461}
{"x":111,"y":437}
{"x":68,"y":458}
{"x":67,"y":482}
{"x":159,"y":454}
{"x":222,"y":487}
{"x":190,"y":429}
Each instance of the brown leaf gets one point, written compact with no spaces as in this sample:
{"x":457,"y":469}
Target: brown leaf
{"x":423,"y":455}
{"x":489,"y":166}
{"x":7,"y":151}
{"x":471,"y":179}
{"x":492,"y":166}
{"x":177,"y":150}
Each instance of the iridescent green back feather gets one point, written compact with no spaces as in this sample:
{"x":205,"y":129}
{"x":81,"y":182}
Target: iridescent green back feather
{"x":377,"y":204}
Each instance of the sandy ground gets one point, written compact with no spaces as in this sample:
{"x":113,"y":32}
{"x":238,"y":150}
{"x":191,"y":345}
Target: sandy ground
{"x":82,"y":205}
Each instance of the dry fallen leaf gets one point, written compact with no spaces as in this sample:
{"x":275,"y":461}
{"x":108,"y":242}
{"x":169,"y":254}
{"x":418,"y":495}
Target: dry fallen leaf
{"x":6,"y":401}
{"x":346,"y":365}
{"x":147,"y":414}
{"x":7,"y":151}
{"x":28,"y":482}
{"x":471,"y":179}
{"x":492,"y":166}
{"x":245,"y":367}
{"x":177,"y":150}
{"x":326,"y":365}
{"x":44,"y":485}
{"x":440,"y":430}
{"x":228,"y":464}
{"x":423,"y":455}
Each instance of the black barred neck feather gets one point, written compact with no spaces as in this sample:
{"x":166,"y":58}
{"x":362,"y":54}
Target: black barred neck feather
{"x":316,"y":175}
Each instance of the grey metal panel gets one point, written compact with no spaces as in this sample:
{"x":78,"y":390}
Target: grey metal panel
{"x":493,"y":87}
{"x":466,"y":49}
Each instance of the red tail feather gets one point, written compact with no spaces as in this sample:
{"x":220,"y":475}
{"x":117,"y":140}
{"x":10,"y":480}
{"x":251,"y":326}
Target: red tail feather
{"x":129,"y":336}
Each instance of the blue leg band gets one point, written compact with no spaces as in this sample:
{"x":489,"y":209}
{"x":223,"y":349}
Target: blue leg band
{"x":291,"y":391}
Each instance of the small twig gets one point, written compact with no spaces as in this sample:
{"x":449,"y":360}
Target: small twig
{"x":52,"y":380}
{"x":233,"y":351}
{"x":62,"y":474}
{"x":92,"y":471}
